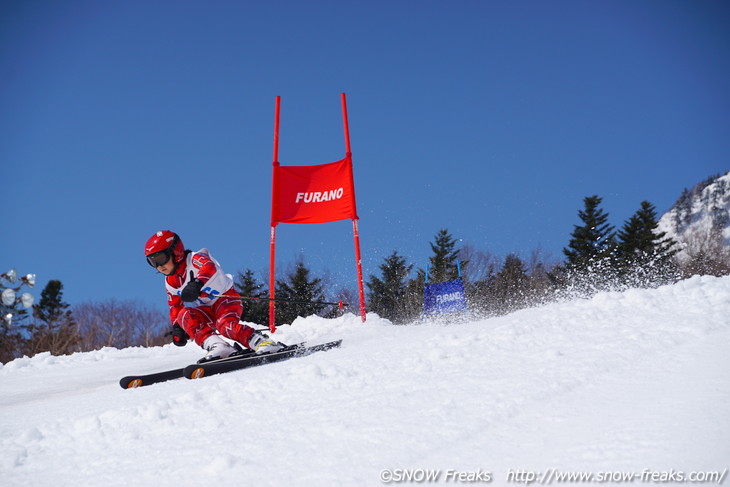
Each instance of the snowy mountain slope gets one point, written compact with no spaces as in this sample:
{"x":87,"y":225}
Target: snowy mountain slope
{"x":623,"y":381}
{"x":698,"y":213}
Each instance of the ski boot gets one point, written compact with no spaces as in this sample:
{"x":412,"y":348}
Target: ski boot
{"x":260,"y":343}
{"x":217,"y":349}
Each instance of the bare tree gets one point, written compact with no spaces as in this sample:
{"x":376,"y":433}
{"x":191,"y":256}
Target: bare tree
{"x":705,"y":253}
{"x":119,"y":324}
{"x":540,"y":267}
{"x":478,"y":275}
{"x":482,"y":265}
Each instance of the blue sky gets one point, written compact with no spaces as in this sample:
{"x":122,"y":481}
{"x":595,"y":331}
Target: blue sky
{"x":493,"y":119}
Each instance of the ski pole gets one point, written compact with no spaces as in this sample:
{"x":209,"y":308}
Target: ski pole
{"x":340,"y":304}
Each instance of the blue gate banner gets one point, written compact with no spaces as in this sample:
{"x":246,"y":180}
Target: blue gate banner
{"x":444,"y":297}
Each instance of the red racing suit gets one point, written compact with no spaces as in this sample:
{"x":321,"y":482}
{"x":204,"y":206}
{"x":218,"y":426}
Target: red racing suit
{"x":219,"y":306}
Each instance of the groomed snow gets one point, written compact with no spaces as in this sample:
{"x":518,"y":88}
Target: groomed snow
{"x":621,"y":382}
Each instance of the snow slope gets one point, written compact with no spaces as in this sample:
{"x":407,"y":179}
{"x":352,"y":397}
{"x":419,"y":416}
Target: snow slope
{"x":621,"y":382}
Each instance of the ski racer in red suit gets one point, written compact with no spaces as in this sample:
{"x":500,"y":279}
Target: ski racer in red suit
{"x":214,"y":307}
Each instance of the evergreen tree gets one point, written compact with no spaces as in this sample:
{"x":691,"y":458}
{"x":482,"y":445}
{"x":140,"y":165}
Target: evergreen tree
{"x":443,"y":263}
{"x":590,"y":265}
{"x":54,"y":329}
{"x":254,"y":310}
{"x":13,"y":314}
{"x":592,"y":241}
{"x":387,"y":294}
{"x":299,"y":287}
{"x":11,"y":340}
{"x":643,"y":252}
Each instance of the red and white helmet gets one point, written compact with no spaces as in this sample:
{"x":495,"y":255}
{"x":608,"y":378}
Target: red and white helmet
{"x":163,"y":245}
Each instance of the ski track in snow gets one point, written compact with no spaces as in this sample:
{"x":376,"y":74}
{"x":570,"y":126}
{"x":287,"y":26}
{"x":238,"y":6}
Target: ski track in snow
{"x":628,"y":380}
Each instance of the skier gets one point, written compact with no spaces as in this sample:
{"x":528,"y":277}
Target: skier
{"x":216,"y":307}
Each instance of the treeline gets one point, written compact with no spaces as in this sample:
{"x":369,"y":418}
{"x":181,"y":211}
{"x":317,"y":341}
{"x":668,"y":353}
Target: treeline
{"x":597,"y":257}
{"x":54,"y":326}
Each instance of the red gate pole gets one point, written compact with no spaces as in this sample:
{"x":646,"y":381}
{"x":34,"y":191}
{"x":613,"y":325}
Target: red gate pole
{"x":272,"y":237}
{"x":355,"y":229}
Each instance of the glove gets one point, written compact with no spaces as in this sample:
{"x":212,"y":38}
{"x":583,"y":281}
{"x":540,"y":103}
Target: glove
{"x":179,"y":337}
{"x":192,"y":290}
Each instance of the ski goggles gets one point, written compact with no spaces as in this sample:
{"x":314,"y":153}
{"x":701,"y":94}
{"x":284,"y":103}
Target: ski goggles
{"x":159,"y":258}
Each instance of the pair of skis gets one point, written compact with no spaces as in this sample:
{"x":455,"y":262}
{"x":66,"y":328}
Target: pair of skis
{"x":239,"y":361}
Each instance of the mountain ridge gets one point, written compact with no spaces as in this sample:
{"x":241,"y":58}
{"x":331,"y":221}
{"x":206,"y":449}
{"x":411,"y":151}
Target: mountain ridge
{"x":700,"y":219}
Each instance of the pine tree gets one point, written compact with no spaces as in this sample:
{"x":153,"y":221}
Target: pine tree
{"x":12,"y":322}
{"x":592,"y":241}
{"x":443,"y":263}
{"x":54,"y":329}
{"x":387,"y":294}
{"x":644,"y":253}
{"x":11,"y":339}
{"x":254,"y":310}
{"x":299,"y":287}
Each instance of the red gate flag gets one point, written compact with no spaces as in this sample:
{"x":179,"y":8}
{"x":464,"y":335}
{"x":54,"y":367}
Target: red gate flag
{"x":314,"y":194}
